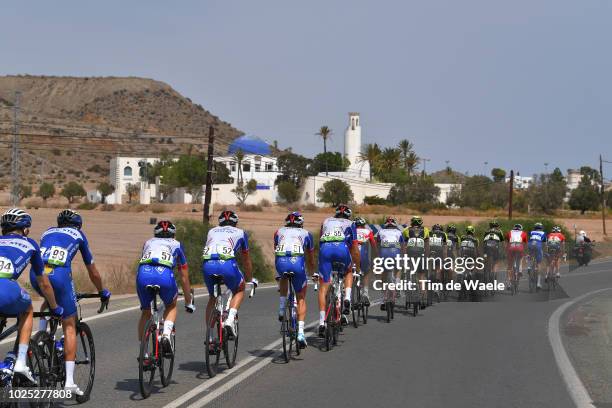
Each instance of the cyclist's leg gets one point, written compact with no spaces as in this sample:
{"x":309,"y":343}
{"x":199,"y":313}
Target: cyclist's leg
{"x":16,"y":301}
{"x":365,"y":271}
{"x":300,"y":285}
{"x":325,"y":269}
{"x":348,"y":280}
{"x":168,"y":293}
{"x":144,"y":277}
{"x":281,"y":266}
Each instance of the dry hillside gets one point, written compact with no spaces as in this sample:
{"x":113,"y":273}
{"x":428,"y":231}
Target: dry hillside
{"x":70,"y":127}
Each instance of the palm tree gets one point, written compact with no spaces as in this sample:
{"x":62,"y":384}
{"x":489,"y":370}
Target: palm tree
{"x":325,"y":132}
{"x":409,"y":157}
{"x":390,"y":159}
{"x":239,"y":156}
{"x":371,"y":154}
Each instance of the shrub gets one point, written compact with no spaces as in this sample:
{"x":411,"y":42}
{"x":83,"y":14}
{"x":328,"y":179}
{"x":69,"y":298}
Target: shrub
{"x":250,"y":207}
{"x":334,"y":192}
{"x":107,"y":207}
{"x":159,"y":208}
{"x":374,"y":200}
{"x":288,"y":192}
{"x":264,"y":202}
{"x":192,"y":234}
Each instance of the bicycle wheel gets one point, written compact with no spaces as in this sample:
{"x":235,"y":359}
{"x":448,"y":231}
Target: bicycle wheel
{"x":286,"y":335}
{"x":166,"y":362}
{"x":329,"y":320}
{"x":147,"y":363}
{"x":48,"y":359}
{"x":212,"y":345}
{"x":230,"y":346}
{"x":355,"y":305}
{"x":388,"y":306}
{"x":85,"y":363}
{"x":37,"y":369}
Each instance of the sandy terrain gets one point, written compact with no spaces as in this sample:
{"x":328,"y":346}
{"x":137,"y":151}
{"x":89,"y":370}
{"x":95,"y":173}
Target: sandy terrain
{"x":116,"y":237}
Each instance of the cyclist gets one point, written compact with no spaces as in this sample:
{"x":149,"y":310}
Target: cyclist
{"x":338,"y":243}
{"x":16,"y":252}
{"x":469,"y":243}
{"x":437,"y":249}
{"x":367,"y":242}
{"x":452,"y":245}
{"x":391,"y":244}
{"x":291,"y":243}
{"x":219,"y":256}
{"x":417,"y":237}
{"x":58,"y":247}
{"x":492,"y":241}
{"x":517,"y":238}
{"x":536,"y":241}
{"x":160,"y":255}
{"x":555,"y":246}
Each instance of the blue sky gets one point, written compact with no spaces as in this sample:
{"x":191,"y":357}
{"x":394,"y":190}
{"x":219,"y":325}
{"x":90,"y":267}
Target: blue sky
{"x":514,"y":83}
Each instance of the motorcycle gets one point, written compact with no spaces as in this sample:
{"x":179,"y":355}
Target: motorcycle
{"x":583,"y":252}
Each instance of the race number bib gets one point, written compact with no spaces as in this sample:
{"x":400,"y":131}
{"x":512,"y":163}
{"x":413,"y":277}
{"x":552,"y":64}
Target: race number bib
{"x":435,"y":241}
{"x":55,"y":255}
{"x":293,"y":249}
{"x":334,"y":235}
{"x":467,"y":244}
{"x":6,"y":267}
{"x":390,"y":244}
{"x":222,"y":251}
{"x":491,"y":237}
{"x":362,"y":235}
{"x":158,"y":255}
{"x":416,"y":242}
{"x":516,"y":238}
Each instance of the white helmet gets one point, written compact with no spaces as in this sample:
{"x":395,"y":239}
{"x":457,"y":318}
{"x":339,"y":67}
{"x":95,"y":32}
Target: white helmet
{"x":582,"y":233}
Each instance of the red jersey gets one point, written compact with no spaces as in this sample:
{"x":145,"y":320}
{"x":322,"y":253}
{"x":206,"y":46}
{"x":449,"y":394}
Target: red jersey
{"x":365,"y":235}
{"x":516,"y":240}
{"x":556,"y":237}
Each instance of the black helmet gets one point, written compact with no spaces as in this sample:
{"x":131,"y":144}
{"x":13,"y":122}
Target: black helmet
{"x":451,"y":228}
{"x":360,"y":222}
{"x":437,"y":227}
{"x":494,"y":224}
{"x":69,"y":218}
{"x":164,"y":229}
{"x":343,"y":211}
{"x":228,"y":217}
{"x":470,"y":229}
{"x":15,"y":219}
{"x":416,"y":221}
{"x":294,"y":219}
{"x":390,"y":222}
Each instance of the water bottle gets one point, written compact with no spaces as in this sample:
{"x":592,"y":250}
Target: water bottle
{"x":59,"y":347}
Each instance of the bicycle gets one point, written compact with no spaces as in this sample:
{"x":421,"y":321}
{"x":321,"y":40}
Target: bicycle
{"x":289,"y":324}
{"x":412,"y":296}
{"x":218,"y":338}
{"x":358,"y":308}
{"x":532,"y":271}
{"x":151,"y":356}
{"x":51,"y":351}
{"x":8,"y":379}
{"x":515,"y":272}
{"x":333,"y":307}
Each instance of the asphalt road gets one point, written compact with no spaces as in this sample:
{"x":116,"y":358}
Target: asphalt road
{"x":495,"y":353}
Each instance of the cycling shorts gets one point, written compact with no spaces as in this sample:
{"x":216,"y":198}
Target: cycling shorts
{"x":295,"y":264}
{"x":159,"y":275}
{"x":60,"y":278}
{"x":364,"y":264}
{"x":229,"y":270}
{"x":535,"y":249}
{"x":13,"y":299}
{"x":330,"y":252}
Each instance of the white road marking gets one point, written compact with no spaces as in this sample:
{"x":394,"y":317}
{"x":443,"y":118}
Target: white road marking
{"x":574,"y":385}
{"x":234,"y":381}
{"x":129,"y":309}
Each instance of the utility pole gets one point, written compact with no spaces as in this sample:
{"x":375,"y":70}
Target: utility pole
{"x":15,"y":153}
{"x":603,"y":195}
{"x":510,"y":192}
{"x":209,"y":173}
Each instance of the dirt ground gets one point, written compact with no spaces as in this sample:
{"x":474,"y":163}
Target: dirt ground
{"x":116,"y":237}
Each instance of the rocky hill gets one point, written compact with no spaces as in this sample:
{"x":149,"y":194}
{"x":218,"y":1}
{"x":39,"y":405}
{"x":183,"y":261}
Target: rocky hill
{"x":70,"y":127}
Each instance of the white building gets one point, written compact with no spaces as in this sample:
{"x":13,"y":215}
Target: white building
{"x":573,"y":179}
{"x":352,"y":148}
{"x":521,"y":182}
{"x":126,"y":170}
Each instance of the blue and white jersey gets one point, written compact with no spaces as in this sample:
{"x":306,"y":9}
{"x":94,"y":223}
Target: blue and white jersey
{"x":339,"y":230}
{"x":16,"y":252}
{"x":291,"y":241}
{"x":58,"y":246}
{"x":537,"y":237}
{"x":165,"y":252}
{"x":224,"y":242}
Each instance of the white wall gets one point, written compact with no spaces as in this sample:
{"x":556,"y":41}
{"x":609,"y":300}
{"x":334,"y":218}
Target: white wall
{"x":222,"y":195}
{"x":360,"y":189}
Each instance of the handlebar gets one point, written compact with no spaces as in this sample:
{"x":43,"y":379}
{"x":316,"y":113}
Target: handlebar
{"x":103,"y":303}
{"x":253,"y":287}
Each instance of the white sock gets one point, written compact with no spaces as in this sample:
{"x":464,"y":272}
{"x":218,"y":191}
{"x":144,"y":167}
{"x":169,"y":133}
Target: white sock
{"x":321,"y":317}
{"x":365,"y":290}
{"x":231,"y":315}
{"x":301,"y":327}
{"x":69,"y":373}
{"x":539,"y":281}
{"x":281,"y":304}
{"x":22,"y":352}
{"x":168,"y":326}
{"x":42,"y":324}
{"x":347,"y":293}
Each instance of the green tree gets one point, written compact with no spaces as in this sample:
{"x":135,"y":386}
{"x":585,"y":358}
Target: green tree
{"x":335,"y":192}
{"x":239,"y":157}
{"x":288,"y":192}
{"x":24,"y":191}
{"x":330,"y":161}
{"x":546,"y":194}
{"x":585,"y":197}
{"x":132,"y":190}
{"x":294,"y":168}
{"x":73,"y":190}
{"x":408,"y":156}
{"x":243,"y":191}
{"x":46,"y":191}
{"x":105,"y":189}
{"x":390,"y":160}
{"x":498,"y":174}
{"x":415,"y":190}
{"x":480,"y":192}
{"x":371,"y":154}
{"x":325,"y":133}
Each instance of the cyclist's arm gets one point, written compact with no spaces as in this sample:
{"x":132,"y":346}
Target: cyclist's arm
{"x":373,"y":245}
{"x":246,"y":258}
{"x":310,"y":258}
{"x":41,"y":278}
{"x":183,"y":268}
{"x":355,"y":255}
{"x":92,"y":270}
